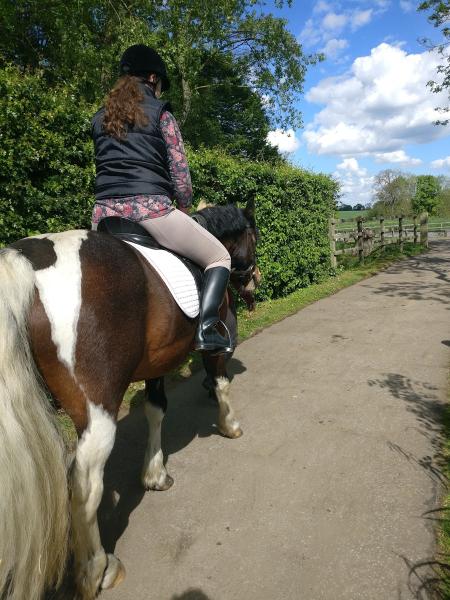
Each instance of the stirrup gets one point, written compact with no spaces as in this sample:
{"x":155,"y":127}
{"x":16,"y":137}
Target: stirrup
{"x":214,"y":348}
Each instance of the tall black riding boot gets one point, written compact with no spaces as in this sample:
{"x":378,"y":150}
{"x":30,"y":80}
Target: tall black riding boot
{"x":207,"y":336}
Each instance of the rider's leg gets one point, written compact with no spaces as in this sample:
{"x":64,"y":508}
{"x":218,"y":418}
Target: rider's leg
{"x":183,"y":235}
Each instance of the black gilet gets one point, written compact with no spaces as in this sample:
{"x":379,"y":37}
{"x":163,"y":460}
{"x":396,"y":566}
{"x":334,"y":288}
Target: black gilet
{"x":136,"y":164}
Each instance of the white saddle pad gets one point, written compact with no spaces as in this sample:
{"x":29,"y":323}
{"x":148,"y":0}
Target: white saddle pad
{"x":177,"y":277}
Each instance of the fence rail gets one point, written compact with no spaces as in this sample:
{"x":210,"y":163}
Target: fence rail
{"x":367,"y":240}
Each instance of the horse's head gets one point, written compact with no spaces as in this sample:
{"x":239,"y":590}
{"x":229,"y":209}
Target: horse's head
{"x":245,"y":275}
{"x":236,"y":229}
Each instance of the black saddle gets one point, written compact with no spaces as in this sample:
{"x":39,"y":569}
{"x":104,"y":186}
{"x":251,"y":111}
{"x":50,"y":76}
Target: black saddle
{"x":127,"y":230}
{"x":130,"y":231}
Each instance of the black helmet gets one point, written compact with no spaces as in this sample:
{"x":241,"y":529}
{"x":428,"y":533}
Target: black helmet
{"x":142,"y":60}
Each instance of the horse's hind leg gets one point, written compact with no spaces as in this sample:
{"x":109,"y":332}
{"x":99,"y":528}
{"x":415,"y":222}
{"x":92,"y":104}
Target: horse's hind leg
{"x":94,"y":569}
{"x":216,"y":370}
{"x":154,"y":474}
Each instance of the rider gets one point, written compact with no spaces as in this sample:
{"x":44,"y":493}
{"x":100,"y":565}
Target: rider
{"x":141,"y":168}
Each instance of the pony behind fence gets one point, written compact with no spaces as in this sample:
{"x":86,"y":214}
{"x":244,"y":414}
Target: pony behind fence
{"x":82,"y":314}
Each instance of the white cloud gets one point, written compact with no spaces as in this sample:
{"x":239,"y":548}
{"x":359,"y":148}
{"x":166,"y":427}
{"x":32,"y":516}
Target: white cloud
{"x":333,"y":47}
{"x":329,"y":21}
{"x":334,"y":22}
{"x":355,"y":182}
{"x":351,"y":164}
{"x":361,"y":17}
{"x":321,"y":7}
{"x":285,"y":141}
{"x":399,"y":157}
{"x":407,"y":6}
{"x":381,"y":105}
{"x":310,"y":34}
{"x":441,"y":163}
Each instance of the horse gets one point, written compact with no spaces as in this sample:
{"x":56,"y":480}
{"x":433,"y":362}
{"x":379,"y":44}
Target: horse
{"x":82,"y":315}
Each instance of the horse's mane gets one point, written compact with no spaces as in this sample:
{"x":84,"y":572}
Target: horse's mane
{"x":226,"y":221}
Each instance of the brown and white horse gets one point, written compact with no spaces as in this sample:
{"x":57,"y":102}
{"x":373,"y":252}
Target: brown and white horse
{"x":81,"y":316}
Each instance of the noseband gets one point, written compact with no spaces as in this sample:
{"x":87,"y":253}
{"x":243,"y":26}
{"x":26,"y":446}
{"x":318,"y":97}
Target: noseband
{"x":243,"y":275}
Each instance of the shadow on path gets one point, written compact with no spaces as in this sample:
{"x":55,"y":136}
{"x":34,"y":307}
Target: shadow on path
{"x":414,"y":289}
{"x":191,"y":413}
{"x":424,"y":577}
{"x":192,"y":594}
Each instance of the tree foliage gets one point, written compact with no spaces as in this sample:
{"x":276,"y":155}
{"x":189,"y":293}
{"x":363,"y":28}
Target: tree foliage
{"x":228,"y":114}
{"x":440,"y":18}
{"x":426,"y":197}
{"x":223,"y":58}
{"x":46,"y":158}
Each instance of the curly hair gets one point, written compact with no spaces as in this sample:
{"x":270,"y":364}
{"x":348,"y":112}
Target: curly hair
{"x":123,"y":107}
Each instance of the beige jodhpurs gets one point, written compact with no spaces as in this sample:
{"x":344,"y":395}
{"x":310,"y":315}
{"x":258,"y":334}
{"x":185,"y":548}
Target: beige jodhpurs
{"x":178,"y":232}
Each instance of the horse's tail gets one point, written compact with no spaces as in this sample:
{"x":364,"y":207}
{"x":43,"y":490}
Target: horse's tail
{"x":34,"y":515}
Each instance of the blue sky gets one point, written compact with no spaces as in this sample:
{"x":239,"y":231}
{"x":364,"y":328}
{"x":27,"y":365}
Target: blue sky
{"x":367,"y":107}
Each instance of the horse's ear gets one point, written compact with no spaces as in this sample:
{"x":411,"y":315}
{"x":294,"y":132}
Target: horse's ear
{"x":203,"y":204}
{"x":249,"y":210}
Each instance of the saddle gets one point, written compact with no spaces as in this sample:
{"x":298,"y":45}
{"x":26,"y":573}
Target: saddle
{"x":132,"y":232}
{"x":183,"y":278}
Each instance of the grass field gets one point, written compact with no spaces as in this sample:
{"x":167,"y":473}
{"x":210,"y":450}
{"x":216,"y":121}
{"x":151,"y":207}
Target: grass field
{"x":433,"y":223}
{"x":351,"y":214}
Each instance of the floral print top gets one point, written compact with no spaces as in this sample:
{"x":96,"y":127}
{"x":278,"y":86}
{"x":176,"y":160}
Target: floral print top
{"x":139,"y":208}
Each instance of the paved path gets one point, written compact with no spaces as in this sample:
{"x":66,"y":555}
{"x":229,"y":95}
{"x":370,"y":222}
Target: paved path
{"x":325,"y":497}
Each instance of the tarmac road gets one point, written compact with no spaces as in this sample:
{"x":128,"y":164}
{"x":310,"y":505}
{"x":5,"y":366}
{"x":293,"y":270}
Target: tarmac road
{"x":328,"y":494}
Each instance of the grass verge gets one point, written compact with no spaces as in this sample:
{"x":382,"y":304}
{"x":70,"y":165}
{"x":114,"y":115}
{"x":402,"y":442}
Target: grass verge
{"x":272,"y":311}
{"x":440,"y":578}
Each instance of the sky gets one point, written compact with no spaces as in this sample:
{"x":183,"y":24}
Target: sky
{"x":367,"y":106}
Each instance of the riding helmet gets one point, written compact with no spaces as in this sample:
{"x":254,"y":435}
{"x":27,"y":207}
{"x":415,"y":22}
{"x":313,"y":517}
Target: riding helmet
{"x":141,"y":60}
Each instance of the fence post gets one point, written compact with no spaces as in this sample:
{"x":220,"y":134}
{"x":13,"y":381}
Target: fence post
{"x":360,"y":240}
{"x":415,"y":229}
{"x":332,"y":236}
{"x":382,"y":233}
{"x":424,"y":229}
{"x":400,"y":233}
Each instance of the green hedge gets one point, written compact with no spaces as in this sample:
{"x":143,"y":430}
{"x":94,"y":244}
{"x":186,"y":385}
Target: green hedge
{"x":47,"y":175}
{"x":292,"y":212}
{"x":46,"y":168}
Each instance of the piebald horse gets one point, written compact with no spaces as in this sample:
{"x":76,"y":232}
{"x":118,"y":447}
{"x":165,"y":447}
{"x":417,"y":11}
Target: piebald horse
{"x":81,"y":316}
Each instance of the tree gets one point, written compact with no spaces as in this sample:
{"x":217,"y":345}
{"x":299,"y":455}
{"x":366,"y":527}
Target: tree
{"x":393,"y":192}
{"x":426,"y":197}
{"x":443,"y":206}
{"x":440,"y":18}
{"x":231,"y":114}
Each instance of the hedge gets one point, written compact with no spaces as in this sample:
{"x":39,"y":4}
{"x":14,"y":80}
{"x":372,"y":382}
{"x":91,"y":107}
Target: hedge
{"x":47,"y":176}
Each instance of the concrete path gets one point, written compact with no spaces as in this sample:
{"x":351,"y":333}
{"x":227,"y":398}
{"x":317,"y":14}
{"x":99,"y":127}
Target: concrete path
{"x":327,"y":495}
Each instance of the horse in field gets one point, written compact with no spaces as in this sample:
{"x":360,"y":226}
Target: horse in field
{"x":82,"y":314}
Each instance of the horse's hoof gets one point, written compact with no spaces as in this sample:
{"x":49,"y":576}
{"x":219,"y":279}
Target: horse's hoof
{"x":232,"y":434}
{"x":159,"y":486}
{"x":114,"y":573}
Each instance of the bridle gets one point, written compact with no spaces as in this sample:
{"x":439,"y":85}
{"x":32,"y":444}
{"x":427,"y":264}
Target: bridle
{"x":243,"y":276}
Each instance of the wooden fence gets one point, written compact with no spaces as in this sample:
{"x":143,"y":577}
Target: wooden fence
{"x":366,"y":240}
